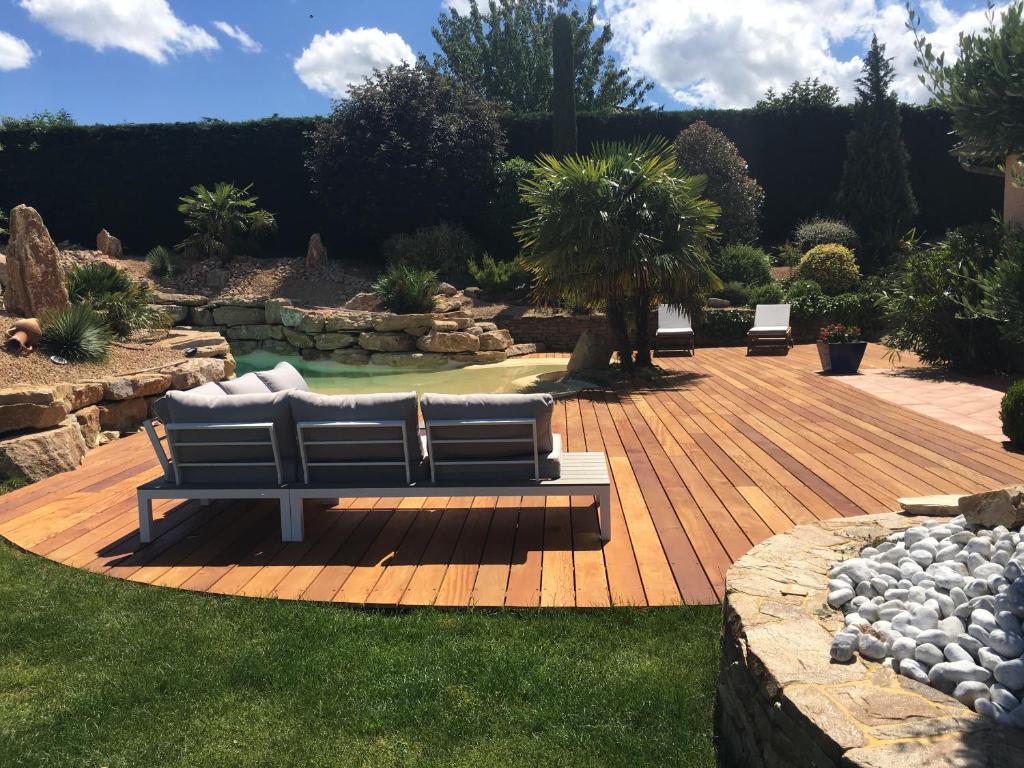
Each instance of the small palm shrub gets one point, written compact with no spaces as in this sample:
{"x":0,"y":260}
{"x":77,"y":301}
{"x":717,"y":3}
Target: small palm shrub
{"x":769,"y":293}
{"x":162,"y":261}
{"x":78,"y":333}
{"x":831,"y":266}
{"x":445,"y":248}
{"x":124,"y":305}
{"x":819,"y":231}
{"x":222,"y":219}
{"x":497,"y":276}
{"x":737,"y":294}
{"x":1011,"y":412}
{"x":406,"y":290}
{"x":743,"y":264}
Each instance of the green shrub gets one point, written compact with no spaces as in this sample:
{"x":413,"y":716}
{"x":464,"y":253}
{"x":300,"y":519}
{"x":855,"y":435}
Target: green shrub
{"x":815,"y":232}
{"x":724,"y":326}
{"x":497,"y":276}
{"x":126,"y":306}
{"x":736,"y":293}
{"x":222,"y":219}
{"x":163,"y":262}
{"x":787,"y":255}
{"x":77,"y":333}
{"x":798,"y":288}
{"x":810,"y":312}
{"x":403,"y":289}
{"x":743,"y":264}
{"x":831,"y":266}
{"x":769,"y":293}
{"x":444,"y":248}
{"x":1011,"y":412}
{"x":703,"y":150}
{"x":504,"y":215}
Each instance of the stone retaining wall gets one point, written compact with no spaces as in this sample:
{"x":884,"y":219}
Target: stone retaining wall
{"x":48,"y":429}
{"x":782,"y":701}
{"x":352,"y":337}
{"x":556,"y":332}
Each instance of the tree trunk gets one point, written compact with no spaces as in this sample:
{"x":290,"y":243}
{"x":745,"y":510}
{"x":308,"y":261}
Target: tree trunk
{"x":620,"y":332}
{"x":642,"y":308}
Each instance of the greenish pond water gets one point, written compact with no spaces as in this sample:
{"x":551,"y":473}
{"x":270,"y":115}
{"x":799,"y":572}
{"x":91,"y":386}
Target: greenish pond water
{"x":330,"y":378}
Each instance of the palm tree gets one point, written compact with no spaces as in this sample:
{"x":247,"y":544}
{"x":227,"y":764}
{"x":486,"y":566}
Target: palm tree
{"x":619,"y":230}
{"x":220,"y":217}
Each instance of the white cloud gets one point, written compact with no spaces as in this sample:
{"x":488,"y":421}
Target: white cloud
{"x":146,"y":27}
{"x":335,"y":61}
{"x":727,"y":54}
{"x":462,"y":6}
{"x":15,"y":53}
{"x":241,"y":36}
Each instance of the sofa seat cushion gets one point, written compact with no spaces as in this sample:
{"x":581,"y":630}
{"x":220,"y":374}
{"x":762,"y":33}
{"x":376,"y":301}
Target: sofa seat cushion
{"x":200,"y":409}
{"x":475,"y":407}
{"x":281,"y":377}
{"x":249,"y":384}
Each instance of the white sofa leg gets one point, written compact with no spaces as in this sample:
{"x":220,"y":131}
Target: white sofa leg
{"x":145,"y":518}
{"x":604,"y":512}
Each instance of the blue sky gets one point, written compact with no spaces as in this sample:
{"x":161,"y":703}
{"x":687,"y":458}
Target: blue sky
{"x":165,"y":60}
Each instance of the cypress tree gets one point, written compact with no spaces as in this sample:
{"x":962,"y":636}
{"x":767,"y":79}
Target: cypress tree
{"x":875,"y":196}
{"x":563,"y":97}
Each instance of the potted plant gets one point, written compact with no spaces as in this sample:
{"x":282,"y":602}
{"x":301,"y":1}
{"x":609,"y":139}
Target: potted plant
{"x":840,"y":348}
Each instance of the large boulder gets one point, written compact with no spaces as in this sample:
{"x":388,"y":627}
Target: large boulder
{"x":331,"y":341}
{"x":403,"y":322}
{"x":491,"y":341}
{"x":273,"y":310}
{"x":109,"y":245}
{"x":591,"y":353}
{"x":136,"y":385}
{"x":369,"y":302}
{"x":387,"y":342}
{"x":316,"y":253}
{"x":123,"y":415}
{"x":455,"y":341}
{"x":36,"y":282}
{"x":235,"y":315}
{"x":38,"y":455}
{"x":31,"y":407}
{"x":1002,"y":507}
{"x":350,"y":321}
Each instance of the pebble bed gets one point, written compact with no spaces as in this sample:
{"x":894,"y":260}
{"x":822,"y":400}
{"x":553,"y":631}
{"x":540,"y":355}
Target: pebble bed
{"x":942,"y":604}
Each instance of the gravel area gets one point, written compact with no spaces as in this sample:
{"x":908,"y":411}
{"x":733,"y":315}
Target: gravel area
{"x":941,"y":604}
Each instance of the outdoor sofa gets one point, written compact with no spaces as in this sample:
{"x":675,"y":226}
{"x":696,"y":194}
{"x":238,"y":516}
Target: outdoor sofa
{"x":264,"y":435}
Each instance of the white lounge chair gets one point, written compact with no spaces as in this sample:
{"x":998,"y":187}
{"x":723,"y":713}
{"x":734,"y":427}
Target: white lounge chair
{"x":771,"y":328}
{"x":675,"y":331}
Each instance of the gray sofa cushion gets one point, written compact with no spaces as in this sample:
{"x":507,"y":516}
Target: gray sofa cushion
{"x":191,"y":408}
{"x":160,"y":406}
{"x":397,"y":406}
{"x":283,"y":376}
{"x":250,"y":384}
{"x":468,"y":407}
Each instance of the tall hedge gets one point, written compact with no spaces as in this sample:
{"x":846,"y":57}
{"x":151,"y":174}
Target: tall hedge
{"x":127,"y":178}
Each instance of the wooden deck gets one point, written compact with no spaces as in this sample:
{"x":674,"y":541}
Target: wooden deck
{"x":731,"y":451}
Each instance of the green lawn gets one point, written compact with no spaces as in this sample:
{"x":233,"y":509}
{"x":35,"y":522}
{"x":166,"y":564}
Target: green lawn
{"x":99,"y":672}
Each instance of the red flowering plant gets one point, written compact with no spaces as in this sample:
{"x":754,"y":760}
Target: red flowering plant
{"x":837,"y":333}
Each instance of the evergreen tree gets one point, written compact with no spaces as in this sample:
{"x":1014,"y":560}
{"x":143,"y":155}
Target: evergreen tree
{"x":563,"y":99}
{"x":875,"y":196}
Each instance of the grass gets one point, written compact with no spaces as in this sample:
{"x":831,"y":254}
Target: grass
{"x":100,"y":672}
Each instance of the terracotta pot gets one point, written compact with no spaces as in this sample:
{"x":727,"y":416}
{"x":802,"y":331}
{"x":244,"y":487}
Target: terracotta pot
{"x":24,"y":335}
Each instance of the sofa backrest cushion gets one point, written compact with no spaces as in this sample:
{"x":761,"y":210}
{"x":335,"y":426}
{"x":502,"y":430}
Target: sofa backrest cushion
{"x":192,"y":408}
{"x":474,"y":407}
{"x":283,"y":376}
{"x":250,"y":384}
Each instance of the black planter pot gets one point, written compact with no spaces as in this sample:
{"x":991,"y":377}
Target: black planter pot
{"x":841,"y":358}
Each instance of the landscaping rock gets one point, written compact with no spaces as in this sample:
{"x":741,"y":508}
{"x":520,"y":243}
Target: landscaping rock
{"x":715,"y":303}
{"x":316,"y":253}
{"x":480,"y":358}
{"x":351,"y":356}
{"x":184,"y":299}
{"x":277,"y":347}
{"x":196,"y":371}
{"x":108,"y":245}
{"x":176,"y":313}
{"x":137,"y":385}
{"x":250,"y":332}
{"x":518,"y":350}
{"x":297,"y":338}
{"x":245,"y":347}
{"x":272,"y":308}
{"x":123,"y":415}
{"x":81,"y":394}
{"x":351,"y":321}
{"x":935,"y":506}
{"x":445,"y":326}
{"x":5,"y":276}
{"x":89,"y":423}
{"x":408,"y":360}
{"x":487,"y":326}
{"x":495,"y":340}
{"x":456,"y":341}
{"x":592,"y":353}
{"x":476,"y":330}
{"x":445,"y":304}
{"x":1002,"y":507}
{"x":234,"y":315}
{"x":35,"y":278}
{"x":330,"y":341}
{"x":363,"y":301}
{"x":200,"y":316}
{"x":15,"y":417}
{"x":473,"y":292}
{"x":38,"y":455}
{"x":447,"y":289}
{"x":403,"y":322}
{"x":386,"y":342}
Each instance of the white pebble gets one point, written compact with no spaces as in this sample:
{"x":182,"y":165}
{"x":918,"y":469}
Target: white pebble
{"x":913,"y":670}
{"x":1011,"y":674}
{"x":969,"y":691}
{"x":928,"y":654}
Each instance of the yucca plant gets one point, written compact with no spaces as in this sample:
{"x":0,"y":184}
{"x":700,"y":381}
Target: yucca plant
{"x":621,"y":229}
{"x":221,"y":218}
{"x":162,"y":261}
{"x":126,"y":306}
{"x":404,"y":289}
{"x":77,"y":333}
